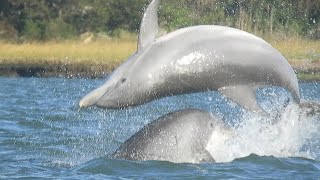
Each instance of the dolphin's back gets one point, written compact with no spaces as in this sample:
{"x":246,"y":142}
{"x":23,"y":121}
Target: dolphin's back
{"x":215,"y":57}
{"x":180,"y":136}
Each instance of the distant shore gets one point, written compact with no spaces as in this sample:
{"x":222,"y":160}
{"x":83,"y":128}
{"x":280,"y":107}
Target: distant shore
{"x":99,"y":57}
{"x":310,"y":72}
{"x":63,"y":70}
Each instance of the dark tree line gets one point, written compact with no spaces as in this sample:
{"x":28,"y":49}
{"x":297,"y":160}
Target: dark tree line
{"x":60,"y":19}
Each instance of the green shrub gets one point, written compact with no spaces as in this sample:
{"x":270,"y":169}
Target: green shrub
{"x":34,"y":30}
{"x":58,"y":29}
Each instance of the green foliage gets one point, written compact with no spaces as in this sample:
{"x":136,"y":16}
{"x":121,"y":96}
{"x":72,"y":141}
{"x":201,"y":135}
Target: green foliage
{"x":33,"y":30}
{"x":125,"y":14}
{"x":173,"y":18}
{"x":57,"y":19}
{"x":54,"y":29}
{"x":58,"y":29}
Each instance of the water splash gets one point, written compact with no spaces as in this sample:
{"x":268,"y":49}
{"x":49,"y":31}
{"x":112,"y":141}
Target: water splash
{"x":291,"y":134}
{"x":92,"y":133}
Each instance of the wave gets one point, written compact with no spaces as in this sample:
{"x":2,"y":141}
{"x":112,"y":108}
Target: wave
{"x":253,"y":166}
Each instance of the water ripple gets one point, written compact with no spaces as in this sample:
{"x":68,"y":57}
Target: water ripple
{"x":43,"y":134}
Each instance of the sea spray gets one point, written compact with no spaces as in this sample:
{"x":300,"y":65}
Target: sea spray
{"x":93,"y":133}
{"x":287,"y":136}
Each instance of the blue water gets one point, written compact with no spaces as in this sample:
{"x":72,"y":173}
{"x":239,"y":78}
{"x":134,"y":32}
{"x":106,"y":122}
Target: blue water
{"x":43,"y":134}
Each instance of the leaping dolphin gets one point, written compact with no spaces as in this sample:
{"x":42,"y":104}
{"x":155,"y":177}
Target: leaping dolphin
{"x":179,"y":137}
{"x":194,"y":59}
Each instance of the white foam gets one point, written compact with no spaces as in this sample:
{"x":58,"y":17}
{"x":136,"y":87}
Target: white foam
{"x":285,"y":136}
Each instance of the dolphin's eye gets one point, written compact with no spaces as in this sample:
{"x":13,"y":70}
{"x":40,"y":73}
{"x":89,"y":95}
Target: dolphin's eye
{"x":123,"y":80}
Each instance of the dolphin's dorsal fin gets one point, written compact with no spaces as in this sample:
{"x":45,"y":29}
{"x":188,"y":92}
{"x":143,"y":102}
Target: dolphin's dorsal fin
{"x":149,"y":25}
{"x":245,"y":96}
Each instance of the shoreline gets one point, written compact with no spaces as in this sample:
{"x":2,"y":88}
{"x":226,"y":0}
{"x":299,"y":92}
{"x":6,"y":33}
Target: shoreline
{"x":99,"y":57}
{"x":56,"y":70}
{"x":304,"y":72}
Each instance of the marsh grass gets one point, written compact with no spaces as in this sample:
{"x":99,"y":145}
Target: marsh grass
{"x":309,"y":76}
{"x":106,"y":52}
{"x":112,"y":51}
{"x":295,"y":49}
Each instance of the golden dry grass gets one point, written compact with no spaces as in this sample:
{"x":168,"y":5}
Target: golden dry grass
{"x":108,"y":51}
{"x":111,"y":52}
{"x":296,"y":50}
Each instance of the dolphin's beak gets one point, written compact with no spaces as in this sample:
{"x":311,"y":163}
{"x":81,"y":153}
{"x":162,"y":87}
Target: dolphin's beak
{"x":93,"y":97}
{"x":86,"y":102}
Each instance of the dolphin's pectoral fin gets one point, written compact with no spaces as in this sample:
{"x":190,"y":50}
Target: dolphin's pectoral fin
{"x":245,"y":96}
{"x":149,"y":25}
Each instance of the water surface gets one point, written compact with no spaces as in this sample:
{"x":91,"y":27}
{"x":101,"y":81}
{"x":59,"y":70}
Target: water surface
{"x":43,"y":134}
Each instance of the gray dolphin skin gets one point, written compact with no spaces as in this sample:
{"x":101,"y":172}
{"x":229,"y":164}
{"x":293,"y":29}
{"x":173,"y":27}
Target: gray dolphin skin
{"x":194,"y":59}
{"x":179,"y":137}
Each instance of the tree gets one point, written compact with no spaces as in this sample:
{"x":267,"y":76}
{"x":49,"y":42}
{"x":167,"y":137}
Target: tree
{"x":51,"y":19}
